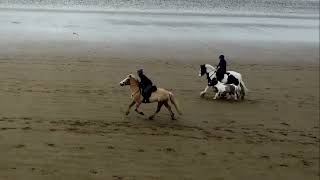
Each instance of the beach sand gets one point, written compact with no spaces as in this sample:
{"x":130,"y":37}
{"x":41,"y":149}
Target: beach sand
{"x":62,"y":112}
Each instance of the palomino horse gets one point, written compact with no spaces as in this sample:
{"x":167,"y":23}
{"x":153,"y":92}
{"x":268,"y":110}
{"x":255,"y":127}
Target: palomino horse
{"x":161,"y":96}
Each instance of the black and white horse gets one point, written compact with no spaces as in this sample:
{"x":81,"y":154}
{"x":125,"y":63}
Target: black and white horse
{"x":231,"y":77}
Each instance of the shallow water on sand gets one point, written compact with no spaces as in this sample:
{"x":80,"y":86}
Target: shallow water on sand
{"x":178,"y":35}
{"x":122,"y":25}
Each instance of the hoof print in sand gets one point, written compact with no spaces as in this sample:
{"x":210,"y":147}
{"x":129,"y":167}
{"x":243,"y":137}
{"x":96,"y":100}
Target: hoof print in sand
{"x":26,"y":128}
{"x":117,"y":177}
{"x":140,"y":150}
{"x":170,"y":150}
{"x":306,"y":163}
{"x":110,"y":147}
{"x":283,"y":165}
{"x":19,"y":146}
{"x":93,"y":171}
{"x":51,"y":144}
{"x":265,"y":157}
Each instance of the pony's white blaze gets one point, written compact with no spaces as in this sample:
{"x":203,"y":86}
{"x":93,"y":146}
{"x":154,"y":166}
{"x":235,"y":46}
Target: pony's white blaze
{"x":122,"y":83}
{"x":126,"y":80}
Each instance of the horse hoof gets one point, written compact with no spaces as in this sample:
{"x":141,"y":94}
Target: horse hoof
{"x":151,"y":118}
{"x":173,"y":118}
{"x":141,"y":113}
{"x":127,"y":113}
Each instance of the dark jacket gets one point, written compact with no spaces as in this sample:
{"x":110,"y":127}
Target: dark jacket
{"x":222,"y":66}
{"x":145,"y":82}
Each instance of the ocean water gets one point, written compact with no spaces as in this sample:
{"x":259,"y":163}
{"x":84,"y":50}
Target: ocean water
{"x":197,"y":6}
{"x":184,"y":28}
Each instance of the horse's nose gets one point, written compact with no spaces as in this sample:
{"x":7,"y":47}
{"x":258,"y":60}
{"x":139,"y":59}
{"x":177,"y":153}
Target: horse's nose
{"x":121,"y":84}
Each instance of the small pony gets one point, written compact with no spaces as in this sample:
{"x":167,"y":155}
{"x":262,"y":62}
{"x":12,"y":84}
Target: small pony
{"x":161,"y":96}
{"x":225,"y":90}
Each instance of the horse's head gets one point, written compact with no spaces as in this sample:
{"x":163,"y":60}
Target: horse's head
{"x":203,"y":70}
{"x":206,"y":68}
{"x":130,"y":79}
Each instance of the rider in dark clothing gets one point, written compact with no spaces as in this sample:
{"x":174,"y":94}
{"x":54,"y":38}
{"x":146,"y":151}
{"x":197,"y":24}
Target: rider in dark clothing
{"x":221,"y":68}
{"x":146,"y":86}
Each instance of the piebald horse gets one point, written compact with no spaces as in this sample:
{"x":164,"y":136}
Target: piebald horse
{"x":161,"y":96}
{"x":231,"y":77}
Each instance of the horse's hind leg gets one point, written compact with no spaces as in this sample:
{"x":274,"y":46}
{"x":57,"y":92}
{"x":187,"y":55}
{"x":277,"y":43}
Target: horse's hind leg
{"x":130,"y":106}
{"x":157,"y":111}
{"x":166,"y":104}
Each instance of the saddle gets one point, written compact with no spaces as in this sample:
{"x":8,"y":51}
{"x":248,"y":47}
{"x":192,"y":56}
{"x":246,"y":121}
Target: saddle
{"x":154,"y":89}
{"x":150,"y":89}
{"x":147,"y":93}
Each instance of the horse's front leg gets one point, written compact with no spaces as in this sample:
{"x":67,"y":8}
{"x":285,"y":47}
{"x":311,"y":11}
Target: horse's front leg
{"x":204,"y":91}
{"x":137,"y":106}
{"x":130,"y":106}
{"x":216,"y":96}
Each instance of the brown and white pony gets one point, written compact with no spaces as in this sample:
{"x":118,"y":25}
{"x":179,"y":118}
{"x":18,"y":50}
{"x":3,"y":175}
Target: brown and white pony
{"x":161,"y":96}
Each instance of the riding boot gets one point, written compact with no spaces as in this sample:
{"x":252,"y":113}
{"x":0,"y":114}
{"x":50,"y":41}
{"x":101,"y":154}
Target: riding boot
{"x":147,"y":100}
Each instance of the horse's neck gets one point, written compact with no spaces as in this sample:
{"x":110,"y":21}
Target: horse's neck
{"x":211,"y":74}
{"x":210,"y":68}
{"x":134,"y":87}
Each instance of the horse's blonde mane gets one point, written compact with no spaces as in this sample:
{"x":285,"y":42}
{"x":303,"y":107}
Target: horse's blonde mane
{"x":133,"y":77}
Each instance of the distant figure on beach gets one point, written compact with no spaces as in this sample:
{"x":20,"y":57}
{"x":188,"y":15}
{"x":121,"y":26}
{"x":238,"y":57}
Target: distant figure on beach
{"x":221,"y":68}
{"x":146,"y":86}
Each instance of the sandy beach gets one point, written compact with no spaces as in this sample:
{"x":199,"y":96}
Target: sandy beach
{"x":62,"y":109}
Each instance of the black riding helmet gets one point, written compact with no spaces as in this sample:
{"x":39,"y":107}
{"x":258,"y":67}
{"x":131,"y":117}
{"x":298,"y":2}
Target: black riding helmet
{"x":221,"y":57}
{"x":140,"y":71}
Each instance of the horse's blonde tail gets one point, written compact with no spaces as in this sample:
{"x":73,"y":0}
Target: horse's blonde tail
{"x":175,"y":103}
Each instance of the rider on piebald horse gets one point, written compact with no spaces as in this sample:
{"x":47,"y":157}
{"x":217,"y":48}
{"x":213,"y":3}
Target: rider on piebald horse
{"x":146,"y":86}
{"x":221,"y":68}
{"x":221,"y":74}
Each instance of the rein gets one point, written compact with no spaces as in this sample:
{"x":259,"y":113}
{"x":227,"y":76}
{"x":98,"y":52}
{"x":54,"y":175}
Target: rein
{"x":209,"y":76}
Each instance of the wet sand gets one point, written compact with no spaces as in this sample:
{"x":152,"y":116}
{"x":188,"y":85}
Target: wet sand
{"x":64,"y":118}
{"x":62,"y":112}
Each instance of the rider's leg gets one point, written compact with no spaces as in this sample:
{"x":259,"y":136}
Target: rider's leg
{"x":147,"y":94}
